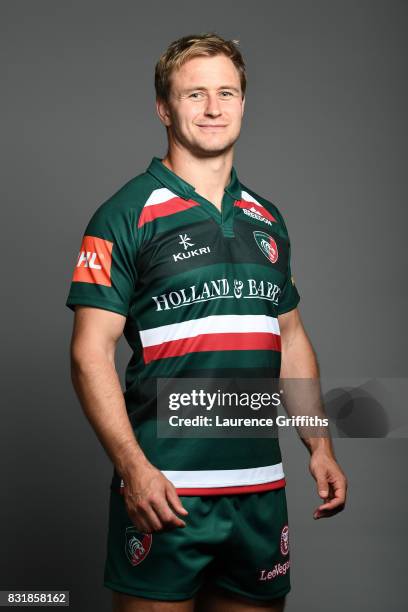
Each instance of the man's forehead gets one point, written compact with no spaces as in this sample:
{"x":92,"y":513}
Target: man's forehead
{"x":201,"y":72}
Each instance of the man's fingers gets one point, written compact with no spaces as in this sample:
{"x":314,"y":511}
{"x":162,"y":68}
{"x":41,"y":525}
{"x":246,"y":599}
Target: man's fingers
{"x":138,"y":521}
{"x":332,"y":504}
{"x":322,"y":485}
{"x":151,"y":517}
{"x":331,"y":485}
{"x":174,"y":500}
{"x":146,"y":518}
{"x":167,"y":516}
{"x":153,"y":507}
{"x":143,"y":515}
{"x":326,"y":513}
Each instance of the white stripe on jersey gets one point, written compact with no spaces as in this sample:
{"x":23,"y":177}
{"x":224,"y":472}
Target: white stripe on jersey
{"x":225,"y":478}
{"x":158,"y":196}
{"x":213,"y":324}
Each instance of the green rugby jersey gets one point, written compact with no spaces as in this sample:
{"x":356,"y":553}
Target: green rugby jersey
{"x":201,"y":290}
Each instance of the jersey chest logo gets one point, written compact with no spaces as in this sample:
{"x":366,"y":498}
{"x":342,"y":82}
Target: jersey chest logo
{"x":255,"y":214}
{"x":268,"y":245}
{"x":185,"y":240}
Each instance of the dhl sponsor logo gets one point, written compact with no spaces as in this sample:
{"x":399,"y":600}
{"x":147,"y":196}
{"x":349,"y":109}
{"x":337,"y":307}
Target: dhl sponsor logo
{"x":94,"y":261}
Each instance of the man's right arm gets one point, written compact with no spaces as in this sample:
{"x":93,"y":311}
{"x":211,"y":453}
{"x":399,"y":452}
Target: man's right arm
{"x":151,"y":499}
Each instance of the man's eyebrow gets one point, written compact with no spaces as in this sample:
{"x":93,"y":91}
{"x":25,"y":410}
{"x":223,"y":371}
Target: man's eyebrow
{"x":205,"y":88}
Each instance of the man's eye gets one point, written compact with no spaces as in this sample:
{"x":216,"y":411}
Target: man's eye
{"x":196,"y":94}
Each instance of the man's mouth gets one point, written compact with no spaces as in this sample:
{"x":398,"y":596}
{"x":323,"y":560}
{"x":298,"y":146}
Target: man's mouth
{"x":212,"y":127}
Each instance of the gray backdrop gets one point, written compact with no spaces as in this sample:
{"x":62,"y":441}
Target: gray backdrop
{"x":324,"y":137}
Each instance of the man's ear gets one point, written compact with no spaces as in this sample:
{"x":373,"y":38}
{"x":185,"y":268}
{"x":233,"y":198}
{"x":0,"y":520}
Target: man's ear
{"x":243,"y":106}
{"x":163,"y":111}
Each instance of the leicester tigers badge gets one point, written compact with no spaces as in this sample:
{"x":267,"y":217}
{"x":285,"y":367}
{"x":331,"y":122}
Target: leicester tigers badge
{"x":137,"y":545}
{"x":284,"y":540}
{"x":268,"y":245}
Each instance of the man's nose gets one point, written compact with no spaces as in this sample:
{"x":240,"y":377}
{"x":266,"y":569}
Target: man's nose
{"x":213,"y":106}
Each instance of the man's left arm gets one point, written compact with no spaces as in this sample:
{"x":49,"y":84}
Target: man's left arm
{"x":299,"y":361}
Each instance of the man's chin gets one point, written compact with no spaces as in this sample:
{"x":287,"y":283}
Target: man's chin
{"x":207,"y":150}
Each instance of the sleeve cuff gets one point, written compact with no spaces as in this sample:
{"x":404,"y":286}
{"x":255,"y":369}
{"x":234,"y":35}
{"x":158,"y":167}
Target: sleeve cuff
{"x":83,"y":301}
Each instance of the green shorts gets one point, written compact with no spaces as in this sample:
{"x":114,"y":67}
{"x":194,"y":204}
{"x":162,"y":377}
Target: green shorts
{"x":238,"y":542}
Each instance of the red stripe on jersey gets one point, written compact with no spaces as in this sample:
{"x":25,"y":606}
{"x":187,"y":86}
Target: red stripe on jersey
{"x":174,"y":205}
{"x":265,"y":486}
{"x":261,"y":209}
{"x":234,"y":341}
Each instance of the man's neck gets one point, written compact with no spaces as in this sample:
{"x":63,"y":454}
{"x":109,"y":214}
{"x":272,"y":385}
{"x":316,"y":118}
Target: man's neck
{"x":209,"y":176}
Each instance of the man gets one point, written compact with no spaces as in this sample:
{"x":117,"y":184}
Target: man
{"x":194,"y":268}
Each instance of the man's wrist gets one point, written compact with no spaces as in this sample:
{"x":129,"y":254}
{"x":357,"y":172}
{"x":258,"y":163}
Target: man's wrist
{"x":130,"y":463}
{"x":319,"y":445}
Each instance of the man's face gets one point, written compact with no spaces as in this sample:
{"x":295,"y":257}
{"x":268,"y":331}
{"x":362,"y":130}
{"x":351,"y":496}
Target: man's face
{"x":205,"y":106}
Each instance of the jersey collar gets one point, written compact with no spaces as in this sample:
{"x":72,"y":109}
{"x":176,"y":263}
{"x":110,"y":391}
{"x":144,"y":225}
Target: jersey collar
{"x":184,"y":189}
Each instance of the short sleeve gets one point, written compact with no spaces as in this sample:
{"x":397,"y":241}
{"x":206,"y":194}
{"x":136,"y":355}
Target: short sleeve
{"x":105,"y":272}
{"x":289,"y":298}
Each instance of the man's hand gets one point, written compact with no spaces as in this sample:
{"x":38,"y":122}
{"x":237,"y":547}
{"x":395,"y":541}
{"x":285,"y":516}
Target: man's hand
{"x":152,"y":501}
{"x":331,"y":483}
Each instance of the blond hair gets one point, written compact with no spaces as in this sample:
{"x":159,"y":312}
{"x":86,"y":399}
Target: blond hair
{"x":195,"y":45}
